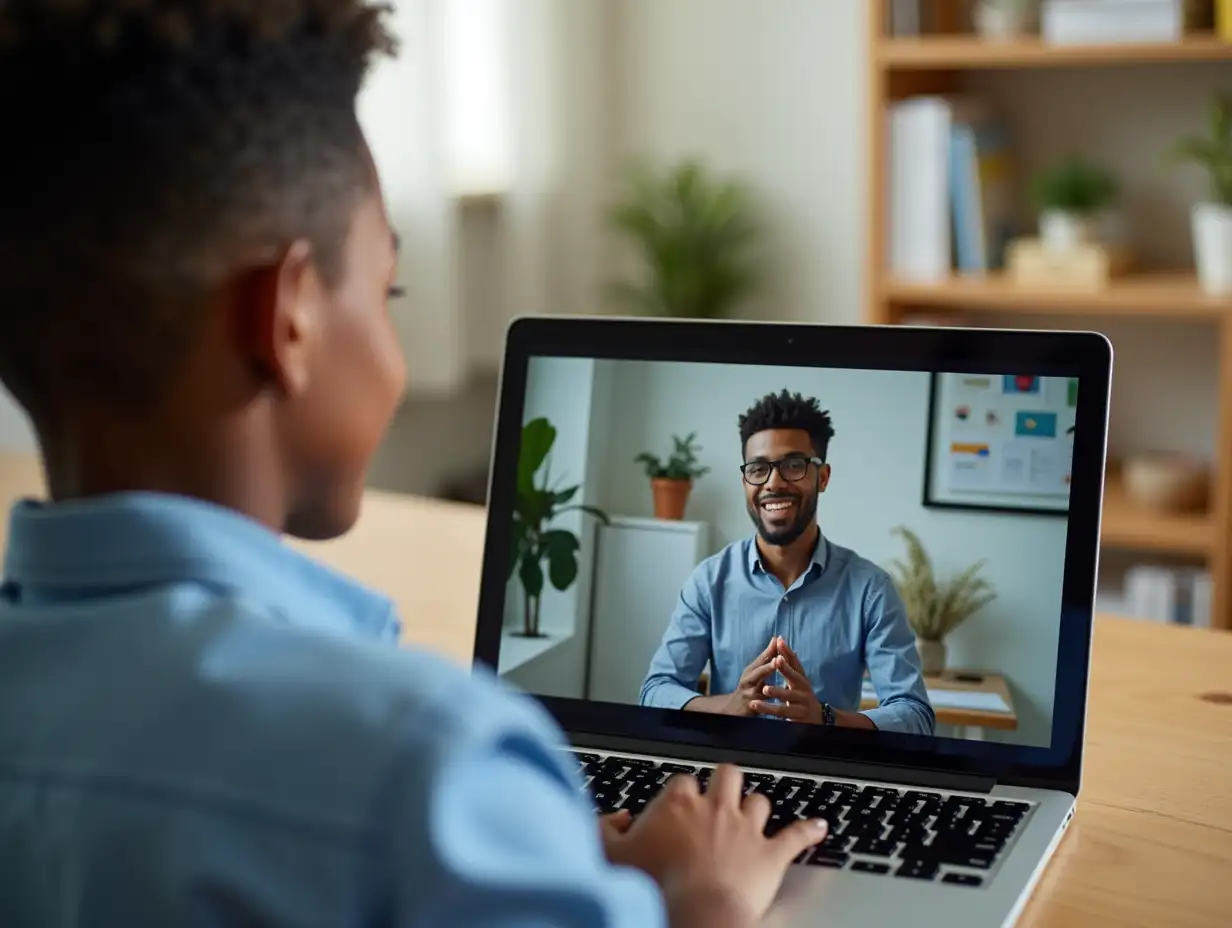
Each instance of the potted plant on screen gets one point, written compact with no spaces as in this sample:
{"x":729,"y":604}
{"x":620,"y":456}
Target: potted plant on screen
{"x":694,"y":234}
{"x":1072,"y":198}
{"x":536,"y":542}
{"x":1212,"y":218}
{"x":671,"y":480}
{"x":935,"y":608}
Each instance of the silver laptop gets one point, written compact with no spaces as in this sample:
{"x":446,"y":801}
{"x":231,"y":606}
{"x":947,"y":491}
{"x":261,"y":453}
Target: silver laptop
{"x":858,"y":562}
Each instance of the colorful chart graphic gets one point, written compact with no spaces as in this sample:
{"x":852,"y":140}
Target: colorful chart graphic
{"x":1036,"y":425}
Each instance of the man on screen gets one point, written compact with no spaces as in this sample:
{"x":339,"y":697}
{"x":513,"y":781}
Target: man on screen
{"x":787,"y":619}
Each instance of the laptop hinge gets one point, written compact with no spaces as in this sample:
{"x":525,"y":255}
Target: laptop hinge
{"x":815,"y":766}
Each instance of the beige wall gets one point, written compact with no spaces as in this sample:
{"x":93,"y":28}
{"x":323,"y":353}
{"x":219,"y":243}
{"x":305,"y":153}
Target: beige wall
{"x":774,"y":91}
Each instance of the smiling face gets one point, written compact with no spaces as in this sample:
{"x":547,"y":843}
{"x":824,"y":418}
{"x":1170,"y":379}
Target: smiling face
{"x":782,"y":509}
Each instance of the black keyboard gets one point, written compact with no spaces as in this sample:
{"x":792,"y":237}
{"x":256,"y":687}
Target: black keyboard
{"x":906,"y":833}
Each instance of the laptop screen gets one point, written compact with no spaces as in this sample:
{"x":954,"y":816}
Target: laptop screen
{"x":797,"y":545}
{"x":865,"y":547}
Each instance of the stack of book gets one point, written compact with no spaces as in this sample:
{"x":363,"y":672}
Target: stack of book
{"x":1180,"y":596}
{"x":952,"y":190}
{"x":1102,"y":22}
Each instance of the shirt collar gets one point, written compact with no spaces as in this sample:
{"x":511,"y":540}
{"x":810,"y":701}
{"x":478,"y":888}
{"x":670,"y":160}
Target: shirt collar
{"x":821,"y":554}
{"x":129,"y":540}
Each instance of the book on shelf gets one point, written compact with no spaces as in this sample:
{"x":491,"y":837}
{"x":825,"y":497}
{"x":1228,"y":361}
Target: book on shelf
{"x":952,"y":193}
{"x":907,"y":17}
{"x":1176,"y":595}
{"x":1100,"y":22}
{"x":1223,"y":19}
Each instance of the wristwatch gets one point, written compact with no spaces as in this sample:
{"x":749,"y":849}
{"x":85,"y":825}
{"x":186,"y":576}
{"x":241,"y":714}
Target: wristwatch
{"x":827,"y":714}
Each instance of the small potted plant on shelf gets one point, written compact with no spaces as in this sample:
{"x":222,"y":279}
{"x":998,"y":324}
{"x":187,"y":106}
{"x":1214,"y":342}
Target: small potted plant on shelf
{"x":1212,"y":219}
{"x":537,"y":504}
{"x":1072,"y":199}
{"x":695,"y":235}
{"x":671,"y":481}
{"x":934,"y":608}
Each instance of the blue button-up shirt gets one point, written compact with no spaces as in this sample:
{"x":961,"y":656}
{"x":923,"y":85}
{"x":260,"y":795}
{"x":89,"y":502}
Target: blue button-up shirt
{"x":199,"y":725}
{"x":841,"y":616}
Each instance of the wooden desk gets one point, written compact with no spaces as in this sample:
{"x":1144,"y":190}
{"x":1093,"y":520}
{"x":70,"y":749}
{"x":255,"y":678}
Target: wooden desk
{"x":1151,"y":845}
{"x":974,"y":721}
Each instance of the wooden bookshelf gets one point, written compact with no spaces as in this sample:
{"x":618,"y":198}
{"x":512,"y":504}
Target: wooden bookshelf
{"x":1158,"y":295}
{"x":1131,"y":527}
{"x":963,"y":52}
{"x":904,"y":66}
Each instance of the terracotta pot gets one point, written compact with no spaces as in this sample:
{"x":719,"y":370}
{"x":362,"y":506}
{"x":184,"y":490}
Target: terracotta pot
{"x":670,"y":498}
{"x":932,"y":656}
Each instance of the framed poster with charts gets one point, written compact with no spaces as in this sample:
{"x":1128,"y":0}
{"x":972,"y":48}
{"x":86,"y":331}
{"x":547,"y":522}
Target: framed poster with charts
{"x":1000,"y":442}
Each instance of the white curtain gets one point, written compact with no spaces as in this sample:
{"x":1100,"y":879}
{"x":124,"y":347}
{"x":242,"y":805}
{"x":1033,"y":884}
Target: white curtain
{"x":501,"y":99}
{"x":402,"y":110}
{"x":560,"y":130}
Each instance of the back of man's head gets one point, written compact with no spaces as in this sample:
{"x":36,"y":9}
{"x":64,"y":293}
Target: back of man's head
{"x":151,"y":147}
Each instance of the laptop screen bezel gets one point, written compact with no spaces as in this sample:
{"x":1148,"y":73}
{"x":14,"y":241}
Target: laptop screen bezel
{"x":1084,"y":355}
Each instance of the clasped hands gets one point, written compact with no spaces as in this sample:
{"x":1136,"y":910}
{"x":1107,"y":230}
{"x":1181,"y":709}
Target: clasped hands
{"x":795,"y":702}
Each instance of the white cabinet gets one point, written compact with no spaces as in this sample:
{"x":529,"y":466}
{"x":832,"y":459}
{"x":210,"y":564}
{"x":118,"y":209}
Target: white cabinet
{"x":640,"y":566}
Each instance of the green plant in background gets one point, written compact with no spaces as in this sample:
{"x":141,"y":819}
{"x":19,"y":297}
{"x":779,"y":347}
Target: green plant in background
{"x":1074,"y":186}
{"x":537,"y":503}
{"x":1212,"y":152}
{"x":681,"y":464}
{"x":695,"y":235}
{"x":935,"y":608}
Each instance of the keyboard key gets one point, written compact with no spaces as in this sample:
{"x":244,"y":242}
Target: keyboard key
{"x":639,"y":762}
{"x":1018,"y":809}
{"x":678,"y":768}
{"x":760,"y":778}
{"x":586,"y":758}
{"x":918,"y":869}
{"x":962,"y":879}
{"x":874,"y":847}
{"x":824,"y":858}
{"x":864,"y":866}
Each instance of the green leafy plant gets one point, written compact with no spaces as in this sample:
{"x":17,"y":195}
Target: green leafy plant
{"x":1212,"y":152}
{"x":694,"y":234}
{"x":538,"y":503}
{"x":1074,"y":186}
{"x":935,"y":608}
{"x":680,"y":465}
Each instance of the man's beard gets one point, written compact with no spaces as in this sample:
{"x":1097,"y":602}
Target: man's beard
{"x":805,"y":514}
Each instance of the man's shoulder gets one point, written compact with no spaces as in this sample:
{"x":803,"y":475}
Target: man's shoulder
{"x":381,"y":690}
{"x":308,"y":724}
{"x":731,"y":558}
{"x":857,"y":568}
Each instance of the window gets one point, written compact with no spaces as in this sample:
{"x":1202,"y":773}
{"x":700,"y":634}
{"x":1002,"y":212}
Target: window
{"x":477,"y":94}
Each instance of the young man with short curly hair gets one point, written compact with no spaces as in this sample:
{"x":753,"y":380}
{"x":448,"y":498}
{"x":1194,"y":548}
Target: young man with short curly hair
{"x":197,"y":724}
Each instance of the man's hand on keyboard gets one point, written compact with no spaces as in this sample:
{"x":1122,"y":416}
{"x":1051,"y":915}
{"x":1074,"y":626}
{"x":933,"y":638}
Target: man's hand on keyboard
{"x":708,"y":850}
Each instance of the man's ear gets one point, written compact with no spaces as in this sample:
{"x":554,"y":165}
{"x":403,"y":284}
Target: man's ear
{"x":279,"y":320}
{"x":823,"y":478}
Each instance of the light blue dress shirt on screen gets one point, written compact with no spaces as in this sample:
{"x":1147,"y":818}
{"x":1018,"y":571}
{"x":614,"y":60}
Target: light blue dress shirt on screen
{"x":200,"y":726}
{"x":842,"y":615}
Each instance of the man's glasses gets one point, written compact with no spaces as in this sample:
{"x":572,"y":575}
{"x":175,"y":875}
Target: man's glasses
{"x":792,"y":469}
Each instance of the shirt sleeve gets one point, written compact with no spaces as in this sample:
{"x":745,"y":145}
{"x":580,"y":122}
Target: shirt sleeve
{"x":678,"y":663}
{"x":894,"y":666}
{"x":492,"y":829}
